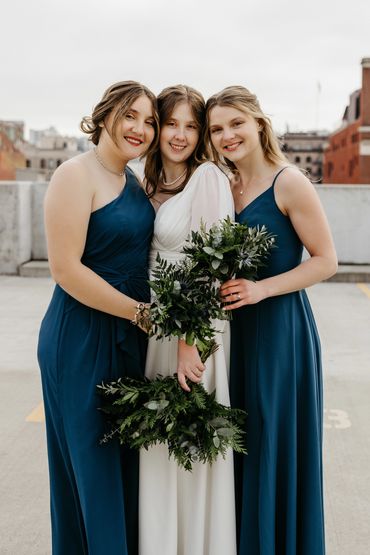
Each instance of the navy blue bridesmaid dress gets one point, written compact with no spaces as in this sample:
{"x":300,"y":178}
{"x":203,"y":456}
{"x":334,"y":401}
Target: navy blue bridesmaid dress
{"x":94,"y":488}
{"x":276,"y":377}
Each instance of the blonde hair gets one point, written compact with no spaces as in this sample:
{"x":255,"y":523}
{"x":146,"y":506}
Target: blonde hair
{"x":167,"y":101}
{"x":242,"y":99}
{"x":119,"y":98}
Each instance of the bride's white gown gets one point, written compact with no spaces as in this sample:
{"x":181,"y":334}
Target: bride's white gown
{"x":181,"y":512}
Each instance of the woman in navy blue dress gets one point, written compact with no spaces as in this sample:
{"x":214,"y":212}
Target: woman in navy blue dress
{"x":275,"y":372}
{"x":99,"y":224}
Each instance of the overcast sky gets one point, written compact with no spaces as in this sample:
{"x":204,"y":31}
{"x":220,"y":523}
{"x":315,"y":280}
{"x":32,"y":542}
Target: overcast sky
{"x":56,"y":58}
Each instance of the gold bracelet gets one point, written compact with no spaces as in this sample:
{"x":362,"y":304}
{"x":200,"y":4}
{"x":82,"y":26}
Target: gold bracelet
{"x":142,"y":317}
{"x":139,"y":310}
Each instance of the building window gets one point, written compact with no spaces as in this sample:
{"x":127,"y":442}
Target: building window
{"x":58,"y":163}
{"x":65,"y":145}
{"x":308,"y":159}
{"x":330,"y":168}
{"x":344,"y":141}
{"x":358,"y":107}
{"x":297,"y":159}
{"x":354,"y":138}
{"x":50,"y":163}
{"x":42,"y":164}
{"x":28,"y":163}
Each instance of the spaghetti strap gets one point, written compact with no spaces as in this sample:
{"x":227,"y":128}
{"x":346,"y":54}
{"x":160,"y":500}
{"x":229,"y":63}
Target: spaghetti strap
{"x":277,"y":175}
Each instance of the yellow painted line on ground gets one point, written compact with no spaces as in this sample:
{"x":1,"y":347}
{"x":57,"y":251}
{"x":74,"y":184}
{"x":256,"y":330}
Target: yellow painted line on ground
{"x":364,"y":288}
{"x":37,"y":415}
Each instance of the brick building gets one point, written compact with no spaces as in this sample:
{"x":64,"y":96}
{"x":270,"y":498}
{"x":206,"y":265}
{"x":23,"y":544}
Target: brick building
{"x":347,"y":156}
{"x":306,"y":151}
{"x":10,"y":157}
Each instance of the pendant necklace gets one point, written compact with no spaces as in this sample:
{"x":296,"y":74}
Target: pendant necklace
{"x":241,"y":191}
{"x":120,"y":174}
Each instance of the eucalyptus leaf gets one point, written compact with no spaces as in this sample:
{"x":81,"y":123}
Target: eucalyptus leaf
{"x":225,"y":432}
{"x":151,"y":405}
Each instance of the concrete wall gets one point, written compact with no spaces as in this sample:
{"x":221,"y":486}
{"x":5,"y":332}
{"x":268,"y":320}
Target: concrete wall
{"x":22,"y":235}
{"x":15,"y":225}
{"x":348,"y":210}
{"x":39,"y":250}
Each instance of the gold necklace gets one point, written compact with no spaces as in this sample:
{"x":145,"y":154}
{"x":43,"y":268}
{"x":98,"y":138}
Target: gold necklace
{"x":120,"y":174}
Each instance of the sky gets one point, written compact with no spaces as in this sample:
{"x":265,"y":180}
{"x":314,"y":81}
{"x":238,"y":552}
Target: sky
{"x":302,"y":59}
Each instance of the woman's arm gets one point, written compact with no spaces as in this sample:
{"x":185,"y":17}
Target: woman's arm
{"x":296,"y":198}
{"x":212,"y":201}
{"x":68,"y":204}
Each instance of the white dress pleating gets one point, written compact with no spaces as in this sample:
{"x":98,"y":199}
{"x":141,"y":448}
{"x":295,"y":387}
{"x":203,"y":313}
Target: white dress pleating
{"x":181,"y":512}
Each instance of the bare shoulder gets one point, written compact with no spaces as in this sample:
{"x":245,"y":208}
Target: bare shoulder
{"x":293,"y":181}
{"x":72,"y":175}
{"x":76,"y":166}
{"x":293,"y":190}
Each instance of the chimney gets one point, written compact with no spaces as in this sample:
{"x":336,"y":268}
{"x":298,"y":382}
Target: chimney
{"x":365,"y":92}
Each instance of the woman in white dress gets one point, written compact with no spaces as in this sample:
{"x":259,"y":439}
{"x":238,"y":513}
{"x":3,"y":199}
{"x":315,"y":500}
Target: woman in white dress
{"x":183,"y":513}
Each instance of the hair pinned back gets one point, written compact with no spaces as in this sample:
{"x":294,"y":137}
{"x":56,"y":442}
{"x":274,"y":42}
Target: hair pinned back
{"x":118,"y":98}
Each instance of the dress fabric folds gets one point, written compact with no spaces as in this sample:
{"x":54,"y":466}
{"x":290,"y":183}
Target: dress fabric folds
{"x":276,"y":376}
{"x":183,"y":513}
{"x":94,"y":488}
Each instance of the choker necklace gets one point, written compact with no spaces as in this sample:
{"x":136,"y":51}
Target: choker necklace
{"x":169,"y":183}
{"x":120,"y":174}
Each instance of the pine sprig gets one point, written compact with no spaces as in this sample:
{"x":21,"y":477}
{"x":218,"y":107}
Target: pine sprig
{"x":228,"y":249}
{"x":195,"y":427}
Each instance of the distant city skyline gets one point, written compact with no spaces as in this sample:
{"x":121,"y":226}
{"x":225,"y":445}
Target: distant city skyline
{"x":302,"y":60}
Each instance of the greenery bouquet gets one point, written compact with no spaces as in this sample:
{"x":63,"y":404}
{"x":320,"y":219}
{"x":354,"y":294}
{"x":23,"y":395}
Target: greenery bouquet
{"x":229,"y":249}
{"x":195,"y":427}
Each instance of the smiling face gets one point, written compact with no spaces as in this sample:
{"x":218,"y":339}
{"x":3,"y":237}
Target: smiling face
{"x":179,"y":135}
{"x":135,"y":132}
{"x":234,"y":134}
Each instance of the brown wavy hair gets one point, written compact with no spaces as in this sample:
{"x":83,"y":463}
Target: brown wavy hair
{"x":119,"y":98}
{"x":167,"y":101}
{"x":242,"y":99}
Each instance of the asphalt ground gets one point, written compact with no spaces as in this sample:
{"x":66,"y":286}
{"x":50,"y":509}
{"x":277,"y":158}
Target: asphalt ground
{"x":342,"y":313}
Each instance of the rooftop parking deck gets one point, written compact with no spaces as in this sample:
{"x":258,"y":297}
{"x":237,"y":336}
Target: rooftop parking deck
{"x":342,"y":312}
